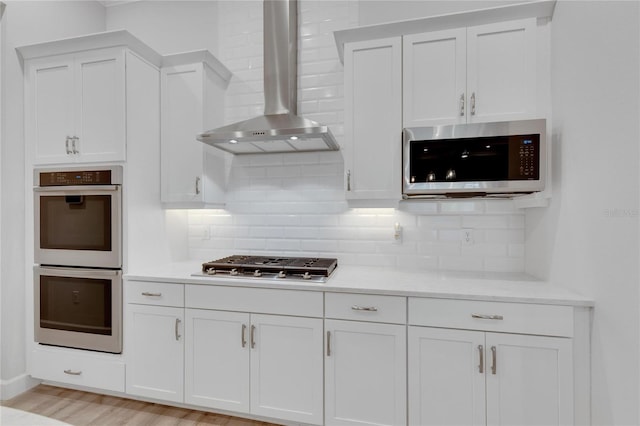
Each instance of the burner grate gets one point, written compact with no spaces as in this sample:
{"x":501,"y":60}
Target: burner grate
{"x":259,"y":266}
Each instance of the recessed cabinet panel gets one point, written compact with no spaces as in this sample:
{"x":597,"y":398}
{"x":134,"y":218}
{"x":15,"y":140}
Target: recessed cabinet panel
{"x":373,"y":122}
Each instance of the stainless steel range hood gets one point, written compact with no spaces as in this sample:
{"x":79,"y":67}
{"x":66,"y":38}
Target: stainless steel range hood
{"x":280,"y":129}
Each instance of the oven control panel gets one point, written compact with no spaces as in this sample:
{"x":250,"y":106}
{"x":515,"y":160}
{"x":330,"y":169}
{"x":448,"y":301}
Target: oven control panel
{"x":74,"y":178}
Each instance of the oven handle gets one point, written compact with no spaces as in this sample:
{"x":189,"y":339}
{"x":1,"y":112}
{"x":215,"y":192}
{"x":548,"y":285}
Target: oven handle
{"x":78,"y":188}
{"x":77,"y":272}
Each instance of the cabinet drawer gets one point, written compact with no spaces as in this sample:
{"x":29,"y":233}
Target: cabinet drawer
{"x":366,"y":307}
{"x":151,"y":293}
{"x":78,"y":369}
{"x":549,"y":320}
{"x":257,"y":300}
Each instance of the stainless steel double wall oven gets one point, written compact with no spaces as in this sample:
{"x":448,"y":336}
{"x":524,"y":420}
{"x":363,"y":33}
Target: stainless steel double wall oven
{"x":78,"y":249}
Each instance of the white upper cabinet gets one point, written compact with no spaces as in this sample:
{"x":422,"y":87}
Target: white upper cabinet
{"x":75,"y":97}
{"x":373,"y":119}
{"x":192,"y":93}
{"x":476,"y":74}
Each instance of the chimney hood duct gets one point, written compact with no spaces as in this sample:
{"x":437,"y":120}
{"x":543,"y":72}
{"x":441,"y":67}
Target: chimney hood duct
{"x":280,"y":129}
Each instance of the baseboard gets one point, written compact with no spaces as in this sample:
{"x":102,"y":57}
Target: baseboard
{"x":16,"y":386}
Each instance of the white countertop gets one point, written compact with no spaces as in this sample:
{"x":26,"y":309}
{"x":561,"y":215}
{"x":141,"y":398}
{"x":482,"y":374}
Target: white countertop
{"x":506,"y":287}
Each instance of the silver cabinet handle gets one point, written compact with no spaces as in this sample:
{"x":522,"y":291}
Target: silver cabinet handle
{"x":494,"y":360}
{"x":72,"y":373}
{"x":66,"y":145}
{"x":177,"y":330}
{"x":243,"y":336}
{"x":462,"y":105}
{"x":197,"y":185}
{"x":146,"y":293}
{"x":488,"y":317}
{"x":252,"y":336}
{"x":328,"y":343}
{"x":364,"y":308}
{"x":348,"y":180}
{"x":481,"y":356}
{"x":473,"y":103}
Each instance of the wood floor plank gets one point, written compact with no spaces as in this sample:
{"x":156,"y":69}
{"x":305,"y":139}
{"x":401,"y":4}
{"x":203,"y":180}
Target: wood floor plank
{"x":80,"y":408}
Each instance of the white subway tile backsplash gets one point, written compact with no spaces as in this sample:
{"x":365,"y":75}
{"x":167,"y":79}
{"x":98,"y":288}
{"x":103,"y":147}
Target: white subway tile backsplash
{"x":294,"y":204}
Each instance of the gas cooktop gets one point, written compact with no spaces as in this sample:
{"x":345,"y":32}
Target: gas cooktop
{"x":315,"y":269}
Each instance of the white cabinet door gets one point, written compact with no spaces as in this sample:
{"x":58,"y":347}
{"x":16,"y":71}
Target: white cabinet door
{"x":365,"y":374}
{"x":50,"y":108}
{"x":76,"y":107}
{"x":434,"y":78}
{"x":501,"y":71}
{"x":192,"y":173}
{"x":286,"y":368}
{"x":217,"y":359}
{"x":446,"y":377}
{"x":155,"y":352}
{"x":532,"y":382}
{"x":100,"y":105}
{"x":373,"y":119}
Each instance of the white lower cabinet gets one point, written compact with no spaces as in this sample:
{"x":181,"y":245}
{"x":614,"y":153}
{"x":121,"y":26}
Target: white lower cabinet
{"x":267,"y":365}
{"x":474,"y":377}
{"x":155,"y":351}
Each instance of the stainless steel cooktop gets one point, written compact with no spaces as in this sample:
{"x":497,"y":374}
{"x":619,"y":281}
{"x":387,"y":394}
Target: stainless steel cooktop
{"x":314,"y":269}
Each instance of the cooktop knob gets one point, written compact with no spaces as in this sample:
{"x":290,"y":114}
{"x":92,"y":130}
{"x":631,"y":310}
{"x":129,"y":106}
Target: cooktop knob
{"x":306,"y":276}
{"x":233,"y":272}
{"x":257,"y":273}
{"x":282,"y":274}
{"x":211,"y":271}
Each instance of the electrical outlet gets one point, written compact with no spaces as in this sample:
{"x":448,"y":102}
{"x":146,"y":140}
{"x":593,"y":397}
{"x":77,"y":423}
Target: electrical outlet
{"x":467,"y":236}
{"x":397,"y":232}
{"x":206,"y":233}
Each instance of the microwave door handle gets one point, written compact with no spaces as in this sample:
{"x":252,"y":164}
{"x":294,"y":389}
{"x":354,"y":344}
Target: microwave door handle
{"x":89,"y":189}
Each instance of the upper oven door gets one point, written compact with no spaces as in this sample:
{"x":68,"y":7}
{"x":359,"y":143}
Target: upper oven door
{"x":78,"y":226}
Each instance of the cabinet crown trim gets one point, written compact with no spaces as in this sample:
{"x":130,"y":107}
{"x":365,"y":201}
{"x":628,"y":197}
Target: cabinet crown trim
{"x":203,"y":56}
{"x":91,"y":41}
{"x":537,"y":9}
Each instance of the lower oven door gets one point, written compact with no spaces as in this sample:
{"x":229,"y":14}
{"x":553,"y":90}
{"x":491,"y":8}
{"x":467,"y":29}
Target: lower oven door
{"x":78,"y":308}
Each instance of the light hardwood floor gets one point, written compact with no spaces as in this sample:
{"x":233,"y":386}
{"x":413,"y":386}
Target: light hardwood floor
{"x":89,"y":409}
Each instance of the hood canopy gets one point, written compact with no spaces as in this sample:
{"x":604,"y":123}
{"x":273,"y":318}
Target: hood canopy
{"x":280,"y":129}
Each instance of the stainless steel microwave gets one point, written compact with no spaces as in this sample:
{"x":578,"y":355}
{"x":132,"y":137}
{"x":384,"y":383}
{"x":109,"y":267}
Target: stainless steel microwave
{"x":478,"y":159}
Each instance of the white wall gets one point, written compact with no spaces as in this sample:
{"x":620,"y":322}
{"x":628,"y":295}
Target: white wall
{"x":588,"y":238}
{"x":169,"y":26}
{"x":24,"y":23}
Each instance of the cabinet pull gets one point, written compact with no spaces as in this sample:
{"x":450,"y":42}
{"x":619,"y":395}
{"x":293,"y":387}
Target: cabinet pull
{"x":197,"y":185}
{"x":243,"y":336}
{"x":328,"y":343}
{"x":74,"y":149}
{"x":364,"y":308}
{"x":146,"y":293}
{"x":252,"y":336}
{"x":72,"y":373}
{"x":473,"y":103}
{"x":481,"y":355}
{"x":488,"y":317}
{"x":177,"y":328}
{"x":348,"y":180}
{"x":66,"y":145}
{"x":494,"y":360}
{"x":462,"y":105}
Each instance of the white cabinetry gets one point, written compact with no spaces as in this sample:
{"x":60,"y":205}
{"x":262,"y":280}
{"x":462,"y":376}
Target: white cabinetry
{"x":251,"y":361}
{"x":154,"y":341}
{"x":365,"y":360}
{"x":373,"y":119}
{"x":474,"y":377}
{"x":192,"y":93}
{"x":475,"y":74}
{"x":76,"y":95}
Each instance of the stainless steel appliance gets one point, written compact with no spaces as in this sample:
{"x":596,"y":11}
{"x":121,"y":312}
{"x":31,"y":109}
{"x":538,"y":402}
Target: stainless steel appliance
{"x":78,"y":217}
{"x":78,"y":308}
{"x":479,"y":159}
{"x":78,"y":246}
{"x":312,"y":269}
